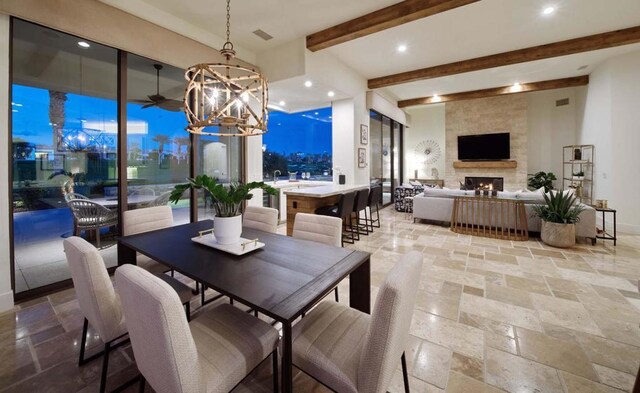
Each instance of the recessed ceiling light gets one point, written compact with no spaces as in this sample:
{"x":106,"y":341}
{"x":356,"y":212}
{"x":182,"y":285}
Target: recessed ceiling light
{"x":402,"y":48}
{"x":436,"y":98}
{"x":316,"y":113}
{"x":516,"y":87}
{"x":83,"y":44}
{"x":549,"y":10}
{"x":308,"y":84}
{"x":282,"y":103}
{"x":331,"y":94}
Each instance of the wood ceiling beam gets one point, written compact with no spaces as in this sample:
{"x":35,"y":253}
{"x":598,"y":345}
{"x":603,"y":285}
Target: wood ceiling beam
{"x":498,"y":91}
{"x":561,"y":48}
{"x":382,"y":19}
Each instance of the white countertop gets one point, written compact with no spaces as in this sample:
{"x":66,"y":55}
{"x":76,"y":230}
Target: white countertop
{"x":297,"y":184}
{"x":325,"y":191}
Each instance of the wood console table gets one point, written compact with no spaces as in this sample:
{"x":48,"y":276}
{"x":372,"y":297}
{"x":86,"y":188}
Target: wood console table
{"x":499,"y":218}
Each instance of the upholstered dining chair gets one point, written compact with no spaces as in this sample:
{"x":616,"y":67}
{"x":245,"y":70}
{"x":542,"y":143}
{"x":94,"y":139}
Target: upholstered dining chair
{"x":212,"y":353}
{"x":98,"y":301}
{"x":350,"y":351}
{"x":89,"y":215}
{"x":145,"y":220}
{"x":260,"y":218}
{"x":321,"y":229}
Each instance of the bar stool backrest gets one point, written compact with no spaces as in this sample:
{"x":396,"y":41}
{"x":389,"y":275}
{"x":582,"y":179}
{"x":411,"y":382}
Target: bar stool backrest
{"x":345,"y":205}
{"x":361,"y":200}
{"x":375,"y":196}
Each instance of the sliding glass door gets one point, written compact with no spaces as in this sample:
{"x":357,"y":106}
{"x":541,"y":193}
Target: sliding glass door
{"x":386,"y":154}
{"x":65,"y":138}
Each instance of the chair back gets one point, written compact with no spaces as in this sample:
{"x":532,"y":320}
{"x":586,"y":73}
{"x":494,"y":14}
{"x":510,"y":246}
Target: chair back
{"x":375,"y":196}
{"x":162,"y":343}
{"x":345,"y":204}
{"x":318,"y":228}
{"x":362,"y":198}
{"x":390,"y":323}
{"x":260,"y":218}
{"x":69,"y":196}
{"x":146,"y":219}
{"x":97,"y":299}
{"x":89,"y":214}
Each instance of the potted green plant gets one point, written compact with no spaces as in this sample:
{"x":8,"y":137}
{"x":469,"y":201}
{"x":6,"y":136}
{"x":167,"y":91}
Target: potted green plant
{"x":559,"y":216}
{"x":227,"y":201}
{"x":578,"y":175}
{"x":541,"y":179}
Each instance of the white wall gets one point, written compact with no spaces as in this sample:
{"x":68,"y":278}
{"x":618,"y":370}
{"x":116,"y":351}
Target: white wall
{"x":611,"y":122}
{"x":6,"y":294}
{"x":343,"y":143}
{"x":551,"y":127}
{"x":427,"y":123}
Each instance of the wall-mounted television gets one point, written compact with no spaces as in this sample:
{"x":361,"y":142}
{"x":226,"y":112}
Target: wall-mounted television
{"x":484,"y":147}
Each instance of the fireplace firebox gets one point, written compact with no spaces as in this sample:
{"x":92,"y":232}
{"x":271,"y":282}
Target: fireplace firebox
{"x":484,"y":183}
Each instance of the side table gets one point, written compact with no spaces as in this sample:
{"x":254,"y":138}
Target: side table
{"x":604,"y":234}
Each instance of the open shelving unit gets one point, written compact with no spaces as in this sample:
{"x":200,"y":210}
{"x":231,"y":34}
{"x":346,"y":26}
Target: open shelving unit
{"x":576,"y":159}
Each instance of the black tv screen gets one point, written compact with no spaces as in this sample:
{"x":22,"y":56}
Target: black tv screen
{"x":484,"y":147}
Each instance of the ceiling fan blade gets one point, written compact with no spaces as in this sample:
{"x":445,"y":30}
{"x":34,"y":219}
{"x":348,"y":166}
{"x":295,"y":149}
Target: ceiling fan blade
{"x":150,"y":105}
{"x":137,"y":101}
{"x":172,"y":105}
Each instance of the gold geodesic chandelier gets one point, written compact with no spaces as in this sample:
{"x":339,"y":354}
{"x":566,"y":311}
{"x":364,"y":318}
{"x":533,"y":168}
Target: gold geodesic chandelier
{"x":226,"y":99}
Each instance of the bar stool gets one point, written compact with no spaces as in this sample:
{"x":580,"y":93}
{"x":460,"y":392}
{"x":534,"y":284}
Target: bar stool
{"x":360,"y":204}
{"x":375,"y":197}
{"x":342,"y":210}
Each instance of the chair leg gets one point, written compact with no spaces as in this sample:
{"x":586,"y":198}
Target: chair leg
{"x":83,"y":341}
{"x":274,"y":356}
{"x":105,"y":367}
{"x":405,"y":374}
{"x":142,"y":384}
{"x":336,"y":292}
{"x":377,"y":216}
{"x":202,"y":300}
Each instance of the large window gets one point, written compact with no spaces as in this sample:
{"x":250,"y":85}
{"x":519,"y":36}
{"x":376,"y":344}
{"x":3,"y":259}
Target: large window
{"x":64,"y":143}
{"x":157,"y":145}
{"x":65,"y":139}
{"x":297,"y":145}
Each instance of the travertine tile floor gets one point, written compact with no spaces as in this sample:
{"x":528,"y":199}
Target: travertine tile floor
{"x":490,"y":316}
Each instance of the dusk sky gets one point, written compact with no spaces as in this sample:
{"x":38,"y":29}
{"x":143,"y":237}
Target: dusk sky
{"x":308,"y":132}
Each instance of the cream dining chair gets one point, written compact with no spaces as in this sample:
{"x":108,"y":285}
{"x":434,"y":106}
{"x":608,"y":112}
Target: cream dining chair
{"x":260,"y":218}
{"x":350,"y":351}
{"x":212,"y":353}
{"x":321,"y":229}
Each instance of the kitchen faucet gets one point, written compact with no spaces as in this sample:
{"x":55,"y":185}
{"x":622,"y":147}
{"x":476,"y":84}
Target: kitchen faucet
{"x":275,"y":179}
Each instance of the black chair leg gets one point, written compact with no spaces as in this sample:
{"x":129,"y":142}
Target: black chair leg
{"x":405,"y":374}
{"x":202,"y":300}
{"x":83,"y":342}
{"x":276,"y":374}
{"x":336,"y":292}
{"x":105,"y":367}
{"x":142,"y":384}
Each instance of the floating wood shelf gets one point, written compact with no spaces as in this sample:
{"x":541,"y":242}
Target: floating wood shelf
{"x":485,"y":164}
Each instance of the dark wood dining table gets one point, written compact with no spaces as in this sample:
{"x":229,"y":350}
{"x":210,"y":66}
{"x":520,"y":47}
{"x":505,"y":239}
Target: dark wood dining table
{"x":282,"y":280}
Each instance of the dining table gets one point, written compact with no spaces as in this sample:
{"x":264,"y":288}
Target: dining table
{"x":282,"y":280}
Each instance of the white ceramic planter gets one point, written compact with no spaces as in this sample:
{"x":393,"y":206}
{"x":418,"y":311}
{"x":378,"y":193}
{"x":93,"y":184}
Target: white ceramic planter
{"x":558,"y":235}
{"x":227,"y":230}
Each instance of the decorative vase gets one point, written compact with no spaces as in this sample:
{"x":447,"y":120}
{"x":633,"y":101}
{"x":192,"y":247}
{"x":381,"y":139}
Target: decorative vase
{"x":577,"y":154}
{"x":227,"y":230}
{"x":558,"y":235}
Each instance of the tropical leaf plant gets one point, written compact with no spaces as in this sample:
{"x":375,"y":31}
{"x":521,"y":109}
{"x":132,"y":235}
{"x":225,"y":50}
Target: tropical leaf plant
{"x":559,"y":207}
{"x":541,"y":179}
{"x":227,"y":199}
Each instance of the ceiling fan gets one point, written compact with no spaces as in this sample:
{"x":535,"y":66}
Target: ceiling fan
{"x":160,"y":100}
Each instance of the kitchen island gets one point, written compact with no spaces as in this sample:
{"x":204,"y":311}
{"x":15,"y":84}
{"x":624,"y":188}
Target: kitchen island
{"x":307,"y":200}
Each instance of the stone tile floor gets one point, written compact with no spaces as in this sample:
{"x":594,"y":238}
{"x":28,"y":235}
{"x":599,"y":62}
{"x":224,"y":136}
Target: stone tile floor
{"x":491,"y":315}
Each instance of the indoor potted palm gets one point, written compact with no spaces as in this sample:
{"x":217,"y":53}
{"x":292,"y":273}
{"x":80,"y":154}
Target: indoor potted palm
{"x":227,"y":200}
{"x":559,"y":216}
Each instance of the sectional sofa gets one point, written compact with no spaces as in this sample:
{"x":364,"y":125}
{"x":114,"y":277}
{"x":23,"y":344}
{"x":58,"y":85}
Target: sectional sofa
{"x":436,"y":205}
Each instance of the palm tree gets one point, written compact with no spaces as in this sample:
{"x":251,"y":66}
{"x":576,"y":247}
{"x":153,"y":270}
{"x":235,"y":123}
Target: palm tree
{"x":181,"y":141}
{"x":161,"y":139}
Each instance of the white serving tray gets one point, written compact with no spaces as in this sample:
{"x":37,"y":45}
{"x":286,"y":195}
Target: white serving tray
{"x":245,"y":246}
